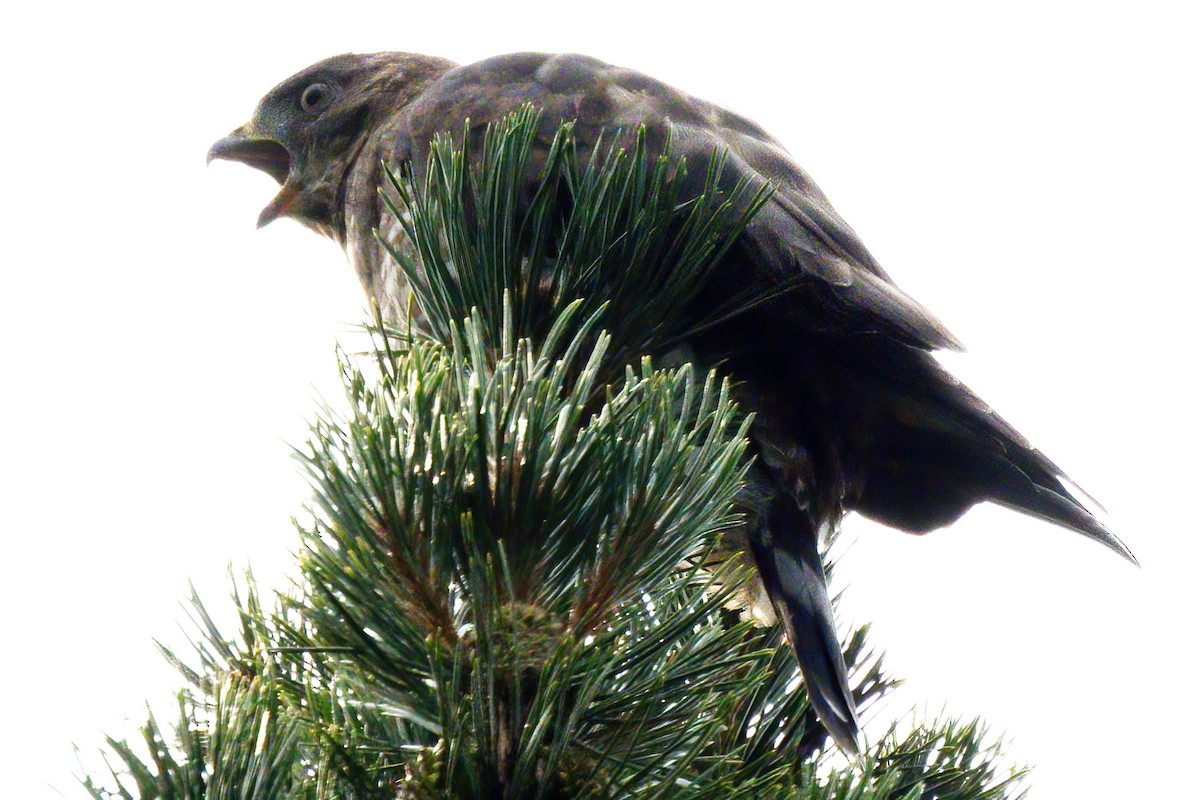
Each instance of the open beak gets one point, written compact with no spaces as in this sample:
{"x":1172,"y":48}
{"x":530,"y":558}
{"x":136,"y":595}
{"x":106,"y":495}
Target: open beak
{"x":264,"y":154}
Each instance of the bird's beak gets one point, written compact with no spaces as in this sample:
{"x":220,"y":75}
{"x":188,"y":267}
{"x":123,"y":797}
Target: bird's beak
{"x":262,"y":153}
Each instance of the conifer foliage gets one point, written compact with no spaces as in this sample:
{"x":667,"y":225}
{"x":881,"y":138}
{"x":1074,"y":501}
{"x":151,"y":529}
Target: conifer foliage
{"x":508,"y":586}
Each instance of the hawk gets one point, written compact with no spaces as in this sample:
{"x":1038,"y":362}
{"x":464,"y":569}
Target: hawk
{"x":853,"y":413}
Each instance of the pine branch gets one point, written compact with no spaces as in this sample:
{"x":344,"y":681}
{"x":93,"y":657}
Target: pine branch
{"x":610,"y":229}
{"x":513,"y":583}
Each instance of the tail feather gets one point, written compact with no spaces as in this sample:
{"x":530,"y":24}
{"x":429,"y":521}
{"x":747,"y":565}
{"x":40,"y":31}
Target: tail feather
{"x":883,"y":430}
{"x":785,"y":546}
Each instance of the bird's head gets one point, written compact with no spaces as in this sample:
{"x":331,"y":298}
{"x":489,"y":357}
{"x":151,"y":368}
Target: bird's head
{"x":307,"y":131}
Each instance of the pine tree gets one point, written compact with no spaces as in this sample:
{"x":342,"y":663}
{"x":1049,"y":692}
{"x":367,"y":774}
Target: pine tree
{"x":512,"y":584}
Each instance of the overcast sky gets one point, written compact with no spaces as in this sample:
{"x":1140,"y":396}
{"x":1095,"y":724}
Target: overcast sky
{"x":1029,"y":174}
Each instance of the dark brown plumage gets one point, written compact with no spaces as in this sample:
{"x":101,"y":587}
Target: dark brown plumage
{"x":853,"y":412}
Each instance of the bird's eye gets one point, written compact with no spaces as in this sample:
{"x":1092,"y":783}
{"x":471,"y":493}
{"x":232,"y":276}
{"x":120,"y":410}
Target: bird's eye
{"x":314,"y":97}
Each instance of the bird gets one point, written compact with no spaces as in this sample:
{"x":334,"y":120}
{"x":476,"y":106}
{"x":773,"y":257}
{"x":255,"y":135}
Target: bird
{"x":853,"y":413}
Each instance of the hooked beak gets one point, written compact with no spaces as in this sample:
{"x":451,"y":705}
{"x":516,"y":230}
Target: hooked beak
{"x":262,"y":153}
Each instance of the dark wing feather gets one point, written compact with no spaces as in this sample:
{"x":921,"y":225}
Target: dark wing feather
{"x":927,"y":448}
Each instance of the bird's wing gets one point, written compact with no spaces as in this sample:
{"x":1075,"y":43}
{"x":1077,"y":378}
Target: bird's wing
{"x":796,"y":243}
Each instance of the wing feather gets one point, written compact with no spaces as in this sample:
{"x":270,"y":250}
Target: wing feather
{"x":797,"y":238}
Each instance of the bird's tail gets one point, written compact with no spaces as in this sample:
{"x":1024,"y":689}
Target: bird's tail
{"x":785,"y":546}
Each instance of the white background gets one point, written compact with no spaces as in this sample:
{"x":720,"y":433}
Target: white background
{"x":1029,"y":172}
